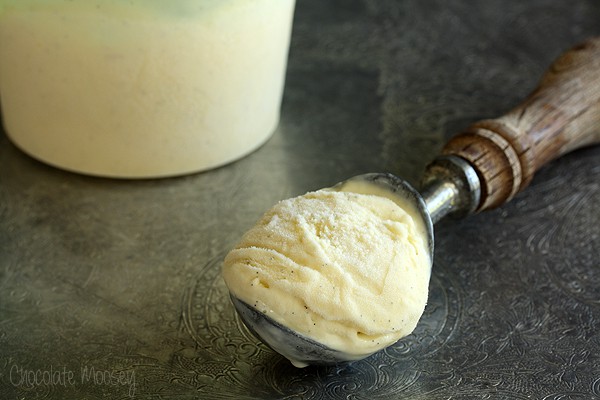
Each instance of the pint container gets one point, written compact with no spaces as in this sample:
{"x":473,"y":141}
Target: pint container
{"x":142,"y":88}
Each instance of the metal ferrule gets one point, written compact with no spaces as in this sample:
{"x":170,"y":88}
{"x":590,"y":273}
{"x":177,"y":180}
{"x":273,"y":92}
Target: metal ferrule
{"x":450,"y":186}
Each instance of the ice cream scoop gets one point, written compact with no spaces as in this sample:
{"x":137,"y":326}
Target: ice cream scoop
{"x":479,"y":169}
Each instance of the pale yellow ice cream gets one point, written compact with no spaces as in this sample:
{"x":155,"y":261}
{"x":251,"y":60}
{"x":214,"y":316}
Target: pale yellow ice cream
{"x":349,"y":269}
{"x":142,"y":88}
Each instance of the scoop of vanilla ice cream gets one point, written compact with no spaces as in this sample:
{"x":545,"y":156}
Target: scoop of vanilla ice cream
{"x":348,"y":270}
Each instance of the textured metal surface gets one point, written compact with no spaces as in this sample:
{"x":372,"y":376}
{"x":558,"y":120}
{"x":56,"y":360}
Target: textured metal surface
{"x":122,"y":278}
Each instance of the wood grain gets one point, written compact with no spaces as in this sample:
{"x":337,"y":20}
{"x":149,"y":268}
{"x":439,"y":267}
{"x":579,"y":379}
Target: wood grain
{"x":560,"y":115}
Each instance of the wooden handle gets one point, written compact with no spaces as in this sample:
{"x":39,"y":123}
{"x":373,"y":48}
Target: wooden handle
{"x":562,"y":114}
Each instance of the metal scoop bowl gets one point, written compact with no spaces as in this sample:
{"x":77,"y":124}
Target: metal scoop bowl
{"x":443,"y":198}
